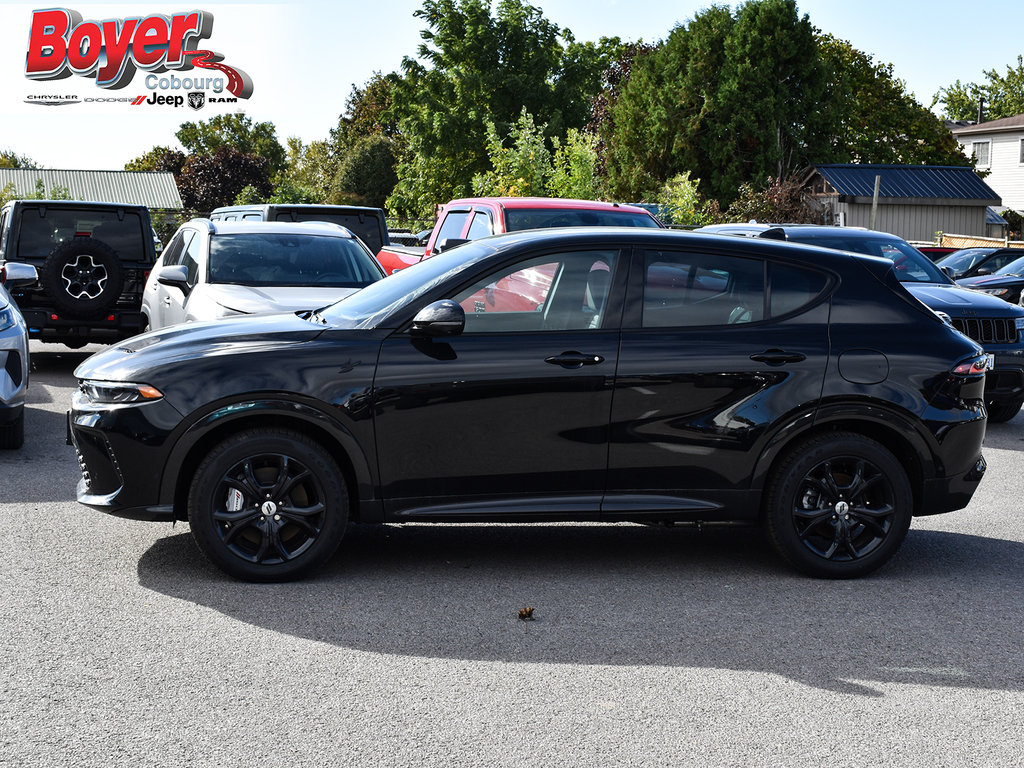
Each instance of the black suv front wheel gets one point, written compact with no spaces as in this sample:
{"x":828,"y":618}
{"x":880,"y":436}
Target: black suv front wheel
{"x":268,"y":505}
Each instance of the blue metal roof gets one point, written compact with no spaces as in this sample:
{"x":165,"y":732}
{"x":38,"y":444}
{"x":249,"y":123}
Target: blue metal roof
{"x":920,"y":181}
{"x":992,"y":217}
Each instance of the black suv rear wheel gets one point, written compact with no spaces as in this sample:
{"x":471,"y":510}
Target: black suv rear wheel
{"x":839,"y":506}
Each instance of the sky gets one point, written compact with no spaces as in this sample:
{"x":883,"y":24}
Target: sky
{"x":304,"y":57}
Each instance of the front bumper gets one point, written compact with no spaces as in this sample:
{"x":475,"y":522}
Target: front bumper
{"x":122,"y":451}
{"x":13,"y":365}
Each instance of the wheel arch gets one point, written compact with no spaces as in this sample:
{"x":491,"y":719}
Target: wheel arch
{"x":229,"y":419}
{"x":896,"y":432}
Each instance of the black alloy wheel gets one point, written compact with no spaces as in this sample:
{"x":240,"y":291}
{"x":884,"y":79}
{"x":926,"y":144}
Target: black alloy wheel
{"x":268,"y":505}
{"x":839,"y":506}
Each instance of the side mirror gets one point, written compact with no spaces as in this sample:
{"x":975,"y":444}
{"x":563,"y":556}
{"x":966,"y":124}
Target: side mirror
{"x":948,"y":272}
{"x":442,"y":318}
{"x":175,"y":276}
{"x":448,"y":243}
{"x":19,"y":275}
{"x":983,"y":271}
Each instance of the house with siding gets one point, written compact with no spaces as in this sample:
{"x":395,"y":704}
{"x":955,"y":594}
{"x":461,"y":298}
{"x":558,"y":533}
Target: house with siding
{"x":914,"y":201}
{"x":997,"y":146}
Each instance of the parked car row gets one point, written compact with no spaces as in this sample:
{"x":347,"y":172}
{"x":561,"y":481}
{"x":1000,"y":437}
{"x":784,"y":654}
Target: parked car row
{"x":601,"y":373}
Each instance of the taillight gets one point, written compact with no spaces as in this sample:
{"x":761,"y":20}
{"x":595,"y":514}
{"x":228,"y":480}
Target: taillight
{"x":973,"y":367}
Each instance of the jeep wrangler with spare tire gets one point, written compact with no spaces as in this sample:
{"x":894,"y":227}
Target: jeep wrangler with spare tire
{"x":92,"y":259}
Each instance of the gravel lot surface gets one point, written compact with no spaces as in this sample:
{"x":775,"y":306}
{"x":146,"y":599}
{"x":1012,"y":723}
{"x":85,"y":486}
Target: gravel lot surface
{"x":120,"y":645}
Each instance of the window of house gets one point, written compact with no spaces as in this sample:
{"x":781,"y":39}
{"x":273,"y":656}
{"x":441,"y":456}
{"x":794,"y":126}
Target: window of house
{"x":1020,"y":153}
{"x":981,"y":152}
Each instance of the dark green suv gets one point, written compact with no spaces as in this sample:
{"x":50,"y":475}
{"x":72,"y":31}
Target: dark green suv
{"x":93,"y":260}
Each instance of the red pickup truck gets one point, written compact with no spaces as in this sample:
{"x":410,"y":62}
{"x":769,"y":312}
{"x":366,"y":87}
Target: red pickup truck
{"x":474,"y":217}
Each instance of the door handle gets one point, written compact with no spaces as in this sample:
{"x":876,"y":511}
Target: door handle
{"x":167,"y":301}
{"x":778,"y":357}
{"x":574,"y":359}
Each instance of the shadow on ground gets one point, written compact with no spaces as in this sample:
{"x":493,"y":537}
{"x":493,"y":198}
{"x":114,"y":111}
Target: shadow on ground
{"x":947,"y":611}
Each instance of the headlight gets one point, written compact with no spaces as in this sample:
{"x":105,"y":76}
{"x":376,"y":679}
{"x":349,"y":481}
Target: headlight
{"x":118,"y":392}
{"x":1018,"y":323}
{"x":6,"y":318}
{"x":995,"y":291}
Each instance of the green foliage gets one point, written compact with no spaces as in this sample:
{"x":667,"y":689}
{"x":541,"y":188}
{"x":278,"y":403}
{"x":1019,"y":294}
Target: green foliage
{"x":57,"y":192}
{"x":1016,"y":222}
{"x":366,"y":173}
{"x":681,"y":204}
{"x":234,"y":130}
{"x":574,"y":167}
{"x":307,"y":172}
{"x":519,"y":170}
{"x":209,"y":181}
{"x":777,"y":201}
{"x":9,"y":159}
{"x":158,"y":159}
{"x":875,"y":120}
{"x":1003,"y":94}
{"x":478,"y":69}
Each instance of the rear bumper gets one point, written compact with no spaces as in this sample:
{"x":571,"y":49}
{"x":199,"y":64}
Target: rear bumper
{"x":114,"y":325}
{"x":947,"y":494}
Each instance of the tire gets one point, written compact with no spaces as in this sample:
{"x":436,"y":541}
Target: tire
{"x":999,"y":411}
{"x":83,"y":277}
{"x":838,"y":506}
{"x":268,"y":505}
{"x":12,"y":434}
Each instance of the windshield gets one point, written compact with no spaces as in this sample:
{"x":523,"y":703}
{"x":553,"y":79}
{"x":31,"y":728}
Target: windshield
{"x":961,"y":261}
{"x":1015,"y":268}
{"x":292,"y":259}
{"x":544,"y":218}
{"x":371,"y":306}
{"x":910,"y":265}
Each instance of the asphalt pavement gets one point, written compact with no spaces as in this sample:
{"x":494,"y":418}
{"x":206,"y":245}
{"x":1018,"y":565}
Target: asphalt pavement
{"x":121,"y":646}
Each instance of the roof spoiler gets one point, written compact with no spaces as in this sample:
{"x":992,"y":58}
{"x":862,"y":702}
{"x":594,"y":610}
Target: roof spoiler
{"x":773,"y":233}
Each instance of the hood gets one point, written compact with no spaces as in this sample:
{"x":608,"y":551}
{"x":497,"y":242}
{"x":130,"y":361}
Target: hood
{"x":134,"y":358}
{"x":957,"y":301}
{"x":251,"y":300}
{"x":991,"y":281}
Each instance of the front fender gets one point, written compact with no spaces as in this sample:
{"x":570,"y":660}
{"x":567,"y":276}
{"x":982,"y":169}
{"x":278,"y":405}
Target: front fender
{"x":194,"y":439}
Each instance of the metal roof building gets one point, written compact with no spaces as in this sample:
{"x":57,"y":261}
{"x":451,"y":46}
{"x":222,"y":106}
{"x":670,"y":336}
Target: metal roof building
{"x":155,"y":190}
{"x":914,"y":201}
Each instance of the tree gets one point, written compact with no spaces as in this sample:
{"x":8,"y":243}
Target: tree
{"x":9,"y":159}
{"x":211,"y":180}
{"x":158,"y":159}
{"x":771,"y":86}
{"x":664,"y":118}
{"x":57,"y":192}
{"x":680,"y":203}
{"x":366,"y":174}
{"x":234,"y":130}
{"x":479,"y":69}
{"x":874,"y":119}
{"x":574,"y":167}
{"x":519,"y":170}
{"x":1003,"y":95}
{"x":777,"y":200}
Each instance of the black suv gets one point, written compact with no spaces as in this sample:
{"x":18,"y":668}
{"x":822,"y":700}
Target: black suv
{"x":995,"y":324}
{"x":93,"y":260}
{"x":596,"y":374}
{"x":368,"y":224}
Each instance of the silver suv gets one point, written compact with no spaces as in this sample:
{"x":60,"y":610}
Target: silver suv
{"x":13,"y":356}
